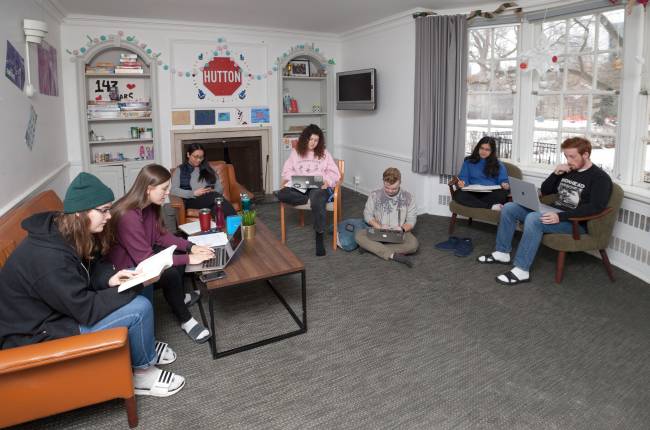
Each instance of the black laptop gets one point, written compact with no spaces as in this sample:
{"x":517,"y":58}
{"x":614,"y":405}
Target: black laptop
{"x":386,"y":235}
{"x":306,"y":182}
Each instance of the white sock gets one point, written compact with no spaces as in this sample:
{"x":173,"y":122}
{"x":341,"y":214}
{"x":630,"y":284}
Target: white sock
{"x":189,"y":325}
{"x":497,"y":207}
{"x":520,"y":274}
{"x":501,"y":256}
{"x":145,"y":378}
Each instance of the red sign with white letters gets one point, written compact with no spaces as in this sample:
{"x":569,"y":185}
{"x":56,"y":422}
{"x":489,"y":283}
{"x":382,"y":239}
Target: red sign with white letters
{"x":222,"y":76}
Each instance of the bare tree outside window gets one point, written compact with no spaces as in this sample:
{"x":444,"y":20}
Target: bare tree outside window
{"x":491,"y":83}
{"x":581,"y":98}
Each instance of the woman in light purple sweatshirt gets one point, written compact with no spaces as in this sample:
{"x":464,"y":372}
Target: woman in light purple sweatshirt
{"x":310,"y":158}
{"x":136,"y":228}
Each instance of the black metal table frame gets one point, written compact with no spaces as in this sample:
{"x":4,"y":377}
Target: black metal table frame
{"x":302,"y":325}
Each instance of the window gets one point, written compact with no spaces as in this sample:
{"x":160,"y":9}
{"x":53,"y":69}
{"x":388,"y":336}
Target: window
{"x":491,"y":85}
{"x":582,"y":97}
{"x":646,"y":156}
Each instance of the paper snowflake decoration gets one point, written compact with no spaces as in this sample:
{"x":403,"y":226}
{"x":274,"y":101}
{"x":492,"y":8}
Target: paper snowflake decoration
{"x":539,"y":58}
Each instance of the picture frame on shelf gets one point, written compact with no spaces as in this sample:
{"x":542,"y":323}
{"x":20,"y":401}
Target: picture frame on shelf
{"x":299,"y":68}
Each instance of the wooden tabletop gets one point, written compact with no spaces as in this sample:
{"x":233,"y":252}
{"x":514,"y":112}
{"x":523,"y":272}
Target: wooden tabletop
{"x":262,"y":257}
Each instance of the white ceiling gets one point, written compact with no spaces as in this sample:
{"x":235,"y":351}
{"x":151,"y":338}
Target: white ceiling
{"x":323,"y":16}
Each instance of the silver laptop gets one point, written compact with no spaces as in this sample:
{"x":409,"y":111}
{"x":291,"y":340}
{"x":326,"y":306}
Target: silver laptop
{"x":223,"y":255}
{"x":306,"y":182}
{"x":385,"y":235}
{"x":525,"y":194}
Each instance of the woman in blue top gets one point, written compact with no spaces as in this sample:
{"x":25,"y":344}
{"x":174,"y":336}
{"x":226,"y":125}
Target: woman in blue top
{"x":483,"y":168}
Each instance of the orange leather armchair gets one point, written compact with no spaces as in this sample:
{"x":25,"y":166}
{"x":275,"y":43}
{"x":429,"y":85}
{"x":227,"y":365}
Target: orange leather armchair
{"x":231,"y":191}
{"x":51,"y":377}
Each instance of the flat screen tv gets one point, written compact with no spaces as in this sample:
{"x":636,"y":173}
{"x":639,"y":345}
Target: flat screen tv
{"x":356,"y":90}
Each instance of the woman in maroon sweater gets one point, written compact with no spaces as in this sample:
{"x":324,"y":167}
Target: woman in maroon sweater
{"x":137,"y":230}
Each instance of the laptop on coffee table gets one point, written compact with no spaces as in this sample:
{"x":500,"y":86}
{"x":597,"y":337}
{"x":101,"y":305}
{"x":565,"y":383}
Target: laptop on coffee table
{"x":222,"y":255}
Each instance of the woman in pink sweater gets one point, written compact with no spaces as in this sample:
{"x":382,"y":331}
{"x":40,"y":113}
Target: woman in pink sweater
{"x":310,"y":158}
{"x":137,"y":232}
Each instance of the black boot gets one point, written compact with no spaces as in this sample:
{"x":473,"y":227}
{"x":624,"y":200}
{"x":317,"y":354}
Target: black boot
{"x":320,"y":248}
{"x":401,"y":258}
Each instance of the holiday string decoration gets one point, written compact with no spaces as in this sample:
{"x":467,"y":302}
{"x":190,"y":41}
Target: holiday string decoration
{"x":629,"y":4}
{"x":220,"y":50}
{"x":503,"y":7}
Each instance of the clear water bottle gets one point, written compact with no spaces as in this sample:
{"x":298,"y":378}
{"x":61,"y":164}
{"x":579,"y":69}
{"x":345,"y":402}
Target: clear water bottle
{"x":245,"y":202}
{"x":219,"y":219}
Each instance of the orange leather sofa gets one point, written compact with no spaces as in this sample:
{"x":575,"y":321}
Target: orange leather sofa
{"x":231,"y":191}
{"x":59,"y":375}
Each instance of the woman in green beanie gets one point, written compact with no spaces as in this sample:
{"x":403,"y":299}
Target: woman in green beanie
{"x":70,"y":291}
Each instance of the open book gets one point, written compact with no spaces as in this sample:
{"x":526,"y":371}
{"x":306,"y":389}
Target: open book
{"x":150,"y":268}
{"x":481,"y":188}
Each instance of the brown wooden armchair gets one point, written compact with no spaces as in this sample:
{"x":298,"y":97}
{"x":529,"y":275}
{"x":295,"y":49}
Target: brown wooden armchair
{"x":480,"y":214}
{"x":335,"y":207}
{"x":55,"y":376}
{"x":231,"y":191}
{"x":599,"y":227}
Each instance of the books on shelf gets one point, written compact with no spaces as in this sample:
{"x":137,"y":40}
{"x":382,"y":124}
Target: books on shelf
{"x":128,"y":64}
{"x":101,"y":109}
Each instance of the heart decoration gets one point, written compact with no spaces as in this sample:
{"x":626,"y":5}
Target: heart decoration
{"x":98,"y":98}
{"x":130,"y":86}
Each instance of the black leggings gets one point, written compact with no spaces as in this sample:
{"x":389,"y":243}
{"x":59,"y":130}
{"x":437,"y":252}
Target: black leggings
{"x":318,"y":199}
{"x":481,"y":200}
{"x":207,"y":201}
{"x":171,"y":282}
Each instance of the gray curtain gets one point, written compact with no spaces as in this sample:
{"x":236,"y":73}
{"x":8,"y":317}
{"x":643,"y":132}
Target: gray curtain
{"x":440,"y":94}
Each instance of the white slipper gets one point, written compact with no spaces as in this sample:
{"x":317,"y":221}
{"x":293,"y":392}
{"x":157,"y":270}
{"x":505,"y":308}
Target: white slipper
{"x":164,"y":354}
{"x":166,"y":384}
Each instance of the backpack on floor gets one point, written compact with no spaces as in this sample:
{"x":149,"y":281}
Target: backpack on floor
{"x":346,"y":230}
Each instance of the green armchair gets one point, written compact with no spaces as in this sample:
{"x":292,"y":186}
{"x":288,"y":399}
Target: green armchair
{"x":599,"y":227}
{"x":487,"y":215}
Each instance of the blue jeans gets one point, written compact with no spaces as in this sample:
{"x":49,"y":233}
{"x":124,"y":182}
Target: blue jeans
{"x":534,"y":229}
{"x":137,"y":317}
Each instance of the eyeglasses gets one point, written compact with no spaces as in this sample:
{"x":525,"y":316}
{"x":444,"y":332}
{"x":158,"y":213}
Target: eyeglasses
{"x":197,"y":157}
{"x":103,"y":211}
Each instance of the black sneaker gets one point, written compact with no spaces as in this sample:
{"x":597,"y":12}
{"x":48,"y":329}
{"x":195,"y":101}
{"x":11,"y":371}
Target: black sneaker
{"x":404,"y":259}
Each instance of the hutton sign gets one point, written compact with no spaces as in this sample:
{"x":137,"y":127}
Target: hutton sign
{"x":222,"y":76}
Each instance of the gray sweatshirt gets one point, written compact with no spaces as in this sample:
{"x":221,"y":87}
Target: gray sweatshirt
{"x":194,"y":183}
{"x":391,"y":211}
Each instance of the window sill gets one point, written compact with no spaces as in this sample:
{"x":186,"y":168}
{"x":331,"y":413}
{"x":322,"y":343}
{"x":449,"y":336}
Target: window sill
{"x":637,"y":193}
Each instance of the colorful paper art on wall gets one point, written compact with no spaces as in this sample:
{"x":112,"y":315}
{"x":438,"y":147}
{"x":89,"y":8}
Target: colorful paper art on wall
{"x":204,"y":117}
{"x":223,"y":117}
{"x":260,"y":115}
{"x":15,"y":66}
{"x":48,"y":80}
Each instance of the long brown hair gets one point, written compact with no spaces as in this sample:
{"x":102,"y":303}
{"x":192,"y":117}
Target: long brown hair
{"x":138,"y":198}
{"x":303,"y":141}
{"x":75,"y":229}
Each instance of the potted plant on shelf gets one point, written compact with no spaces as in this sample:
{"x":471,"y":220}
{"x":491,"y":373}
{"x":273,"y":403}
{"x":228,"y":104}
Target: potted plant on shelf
{"x":248,"y":223}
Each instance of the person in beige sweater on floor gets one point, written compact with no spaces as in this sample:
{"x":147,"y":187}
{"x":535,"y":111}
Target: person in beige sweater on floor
{"x":390,"y":207}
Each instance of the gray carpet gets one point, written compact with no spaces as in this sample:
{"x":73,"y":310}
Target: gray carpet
{"x":439,"y":346}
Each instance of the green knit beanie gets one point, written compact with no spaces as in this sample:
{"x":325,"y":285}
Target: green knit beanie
{"x":85,"y":192}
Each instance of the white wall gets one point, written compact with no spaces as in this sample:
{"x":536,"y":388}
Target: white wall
{"x":24,"y":171}
{"x":159,"y":36}
{"x":373,"y":141}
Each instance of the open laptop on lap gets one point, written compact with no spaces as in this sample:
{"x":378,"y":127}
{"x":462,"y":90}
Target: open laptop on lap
{"x":525,"y":194}
{"x":306,"y":182}
{"x":223,"y":255}
{"x":385,"y":235}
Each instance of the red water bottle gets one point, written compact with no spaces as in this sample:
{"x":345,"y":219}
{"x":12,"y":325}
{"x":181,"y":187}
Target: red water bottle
{"x":219,"y":219}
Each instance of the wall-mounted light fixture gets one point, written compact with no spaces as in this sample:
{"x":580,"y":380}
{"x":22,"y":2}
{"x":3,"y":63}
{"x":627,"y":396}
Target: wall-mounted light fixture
{"x":35,"y":31}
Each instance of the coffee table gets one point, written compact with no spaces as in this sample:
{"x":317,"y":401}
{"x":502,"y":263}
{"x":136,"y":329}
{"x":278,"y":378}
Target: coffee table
{"x":262,"y":258}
